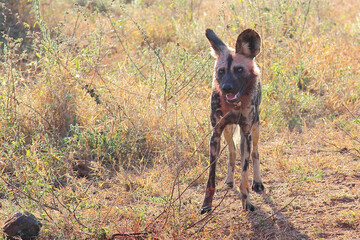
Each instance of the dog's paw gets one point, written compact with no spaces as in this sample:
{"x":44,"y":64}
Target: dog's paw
{"x":205,"y":210}
{"x":230,"y":184}
{"x":250,"y":207}
{"x":258,"y":187}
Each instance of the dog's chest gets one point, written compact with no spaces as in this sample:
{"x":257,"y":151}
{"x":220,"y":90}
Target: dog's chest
{"x":241,"y":116}
{"x":228,"y":113}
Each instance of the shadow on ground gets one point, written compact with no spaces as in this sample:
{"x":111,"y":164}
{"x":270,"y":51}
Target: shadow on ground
{"x":274,"y":226}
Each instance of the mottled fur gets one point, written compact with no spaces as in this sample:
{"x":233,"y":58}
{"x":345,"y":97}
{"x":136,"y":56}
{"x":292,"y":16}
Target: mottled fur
{"x":235,"y":100}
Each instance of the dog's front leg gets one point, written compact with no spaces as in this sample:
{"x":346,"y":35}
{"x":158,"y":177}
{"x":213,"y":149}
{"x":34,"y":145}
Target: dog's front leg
{"x":228,"y":134}
{"x":257,"y":183}
{"x":246,"y":143}
{"x":214,"y":153}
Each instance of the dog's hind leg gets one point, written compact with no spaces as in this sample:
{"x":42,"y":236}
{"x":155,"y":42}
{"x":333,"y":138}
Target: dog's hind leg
{"x":228,"y":134}
{"x":257,"y":183}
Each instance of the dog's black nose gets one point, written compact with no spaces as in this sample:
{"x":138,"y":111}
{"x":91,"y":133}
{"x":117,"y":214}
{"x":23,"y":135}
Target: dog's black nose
{"x":227,"y":87}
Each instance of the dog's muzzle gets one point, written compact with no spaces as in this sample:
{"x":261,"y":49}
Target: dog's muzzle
{"x":234,"y":97}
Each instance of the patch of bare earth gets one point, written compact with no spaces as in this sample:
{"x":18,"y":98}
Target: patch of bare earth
{"x":312,"y":192}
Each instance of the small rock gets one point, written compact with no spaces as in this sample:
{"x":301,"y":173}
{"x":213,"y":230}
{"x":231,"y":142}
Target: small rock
{"x":24,"y":225}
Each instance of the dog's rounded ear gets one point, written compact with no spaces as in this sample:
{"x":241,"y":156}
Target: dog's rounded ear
{"x":217,"y":45}
{"x":248,"y":43}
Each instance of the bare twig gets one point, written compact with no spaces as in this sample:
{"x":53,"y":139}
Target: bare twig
{"x":352,"y":114}
{"x":77,"y":205}
{"x":209,"y":216}
{"x":305,"y":18}
{"x":41,"y":203}
{"x":139,"y":234}
{"x":189,"y":185}
{"x":33,"y":109}
{"x":171,"y":195}
{"x":285,"y":206}
{"x":68,"y":209}
{"x":122,"y":45}
{"x":192,"y":182}
{"x":157,"y":55}
{"x":338,"y":147}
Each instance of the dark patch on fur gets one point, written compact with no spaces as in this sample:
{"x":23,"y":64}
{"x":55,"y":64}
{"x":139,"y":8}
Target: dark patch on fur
{"x":229,"y":62}
{"x":215,"y":105}
{"x":230,"y":184}
{"x":256,"y":102}
{"x":219,"y":113}
{"x":205,"y":210}
{"x":242,"y":145}
{"x":251,"y":41}
{"x":248,"y":142}
{"x":250,"y":207}
{"x":213,"y":144}
{"x":244,"y":196}
{"x":231,"y":118}
{"x":258,"y":187}
{"x":246,"y":165}
{"x":256,"y":117}
{"x":242,"y":120}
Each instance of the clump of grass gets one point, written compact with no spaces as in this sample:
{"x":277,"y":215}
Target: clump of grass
{"x":348,"y":219}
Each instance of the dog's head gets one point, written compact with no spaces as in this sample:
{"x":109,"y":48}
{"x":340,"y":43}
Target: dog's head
{"x":235,"y":70}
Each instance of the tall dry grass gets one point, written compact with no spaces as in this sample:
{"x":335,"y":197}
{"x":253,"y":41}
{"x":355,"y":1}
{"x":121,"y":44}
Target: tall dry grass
{"x":122,"y":89}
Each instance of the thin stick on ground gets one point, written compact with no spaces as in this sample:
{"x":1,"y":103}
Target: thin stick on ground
{"x":211,"y":215}
{"x":285,"y":206}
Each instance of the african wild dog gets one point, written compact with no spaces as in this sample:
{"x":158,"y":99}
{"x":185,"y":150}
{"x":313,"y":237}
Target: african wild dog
{"x":235,"y":99}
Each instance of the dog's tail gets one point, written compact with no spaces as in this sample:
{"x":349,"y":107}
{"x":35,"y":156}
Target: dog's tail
{"x":235,"y":131}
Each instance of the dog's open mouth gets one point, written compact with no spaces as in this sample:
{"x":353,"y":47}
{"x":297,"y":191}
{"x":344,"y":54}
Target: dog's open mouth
{"x":234,"y":98}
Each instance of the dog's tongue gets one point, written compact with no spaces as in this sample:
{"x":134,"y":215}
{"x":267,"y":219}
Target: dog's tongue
{"x":230,"y":96}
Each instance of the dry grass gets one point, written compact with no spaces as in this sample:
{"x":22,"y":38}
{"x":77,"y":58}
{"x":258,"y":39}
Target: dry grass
{"x":104,"y":124}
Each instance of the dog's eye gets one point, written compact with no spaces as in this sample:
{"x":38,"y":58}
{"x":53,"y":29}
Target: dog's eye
{"x":239,"y":69}
{"x":221,"y":71}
